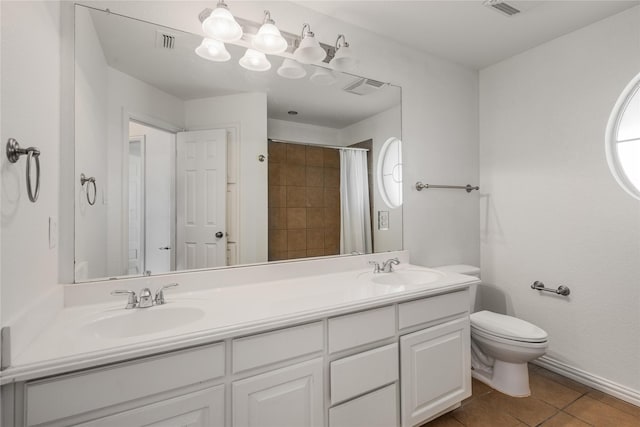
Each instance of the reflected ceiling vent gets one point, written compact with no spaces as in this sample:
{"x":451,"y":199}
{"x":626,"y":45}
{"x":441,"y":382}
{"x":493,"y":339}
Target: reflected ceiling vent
{"x":364,"y":86}
{"x":165,"y":40}
{"x":502,"y":7}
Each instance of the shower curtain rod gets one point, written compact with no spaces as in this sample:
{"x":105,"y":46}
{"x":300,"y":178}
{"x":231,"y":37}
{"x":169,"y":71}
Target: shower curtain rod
{"x":335,"y":147}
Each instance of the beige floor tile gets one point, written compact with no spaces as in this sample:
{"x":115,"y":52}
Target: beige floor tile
{"x":616,"y":403}
{"x":600,"y":414}
{"x":564,"y":420}
{"x":446,"y":420}
{"x":478,"y":389}
{"x":573,"y":385}
{"x":529,"y":410}
{"x":551,"y":392}
{"x":482,"y":412}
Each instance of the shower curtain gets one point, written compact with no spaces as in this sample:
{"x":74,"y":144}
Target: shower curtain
{"x":355,"y":218}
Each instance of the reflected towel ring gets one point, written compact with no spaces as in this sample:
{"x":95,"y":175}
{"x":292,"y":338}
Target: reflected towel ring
{"x":13,"y":154}
{"x":90,"y":180}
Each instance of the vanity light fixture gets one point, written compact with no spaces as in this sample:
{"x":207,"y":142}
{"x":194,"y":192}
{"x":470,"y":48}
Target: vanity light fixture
{"x":221,"y":25}
{"x":343,"y":59}
{"x":309,"y":50}
{"x":291,"y":69}
{"x":213,"y":50}
{"x":268,"y":39}
{"x":255,"y":61}
{"x":323,"y":77}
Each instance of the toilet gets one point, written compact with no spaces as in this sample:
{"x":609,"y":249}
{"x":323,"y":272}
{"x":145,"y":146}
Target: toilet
{"x":501,"y":346}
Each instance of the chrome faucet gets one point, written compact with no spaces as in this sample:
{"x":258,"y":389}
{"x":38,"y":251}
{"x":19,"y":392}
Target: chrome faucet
{"x":146,"y":300}
{"x":387,"y":266}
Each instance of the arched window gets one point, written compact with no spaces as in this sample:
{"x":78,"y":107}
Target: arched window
{"x":622,"y":139}
{"x":389,"y":172}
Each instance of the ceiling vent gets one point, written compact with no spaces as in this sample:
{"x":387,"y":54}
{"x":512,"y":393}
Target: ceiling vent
{"x":502,"y":7}
{"x":165,"y":40}
{"x":364,"y":86}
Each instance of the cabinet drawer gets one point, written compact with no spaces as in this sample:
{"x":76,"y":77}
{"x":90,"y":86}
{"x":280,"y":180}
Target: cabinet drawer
{"x":362,"y":372}
{"x":377,"y":409}
{"x":272,"y":347}
{"x":73,"y":394}
{"x":432,"y":309}
{"x":357,"y":329}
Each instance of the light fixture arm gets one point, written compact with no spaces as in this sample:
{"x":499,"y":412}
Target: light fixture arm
{"x":308,"y":32}
{"x":267,"y":18}
{"x":221,"y":3}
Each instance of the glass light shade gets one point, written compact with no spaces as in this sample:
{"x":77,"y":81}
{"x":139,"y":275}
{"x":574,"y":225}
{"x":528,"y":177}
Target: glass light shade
{"x":269,"y":40}
{"x":309,"y":51}
{"x":322,"y":77}
{"x":343,"y":59}
{"x":291,"y":69}
{"x":213,"y":50}
{"x":221,"y":25}
{"x":255,"y":61}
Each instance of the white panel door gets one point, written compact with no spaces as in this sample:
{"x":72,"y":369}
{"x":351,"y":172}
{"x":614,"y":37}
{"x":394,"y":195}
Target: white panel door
{"x":435,"y":370}
{"x":203,"y":408}
{"x":291,"y":396}
{"x":135,"y":258}
{"x":201,"y":199}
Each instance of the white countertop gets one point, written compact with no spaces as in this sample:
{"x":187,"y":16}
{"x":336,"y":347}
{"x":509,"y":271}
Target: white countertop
{"x":69,"y":343}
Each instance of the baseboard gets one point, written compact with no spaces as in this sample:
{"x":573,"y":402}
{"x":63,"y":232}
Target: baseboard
{"x":621,"y":392}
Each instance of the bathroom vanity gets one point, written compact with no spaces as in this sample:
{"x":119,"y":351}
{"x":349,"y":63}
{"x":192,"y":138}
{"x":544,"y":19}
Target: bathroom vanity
{"x":342,"y":349}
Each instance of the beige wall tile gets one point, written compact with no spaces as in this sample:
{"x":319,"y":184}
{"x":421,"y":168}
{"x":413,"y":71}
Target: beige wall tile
{"x":296,"y":154}
{"x":276,"y":174}
{"x":277,"y":218}
{"x":315,"y":156}
{"x":315,"y":238}
{"x":295,"y":174}
{"x":277,"y":196}
{"x":296,"y":240}
{"x":296,"y":218}
{"x":315,"y":176}
{"x":331,"y":178}
{"x":296,"y":197}
{"x":331,"y":158}
{"x":277,"y":152}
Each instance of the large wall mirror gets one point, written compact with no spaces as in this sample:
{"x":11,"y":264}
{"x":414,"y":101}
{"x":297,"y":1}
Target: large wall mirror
{"x":189,"y":163}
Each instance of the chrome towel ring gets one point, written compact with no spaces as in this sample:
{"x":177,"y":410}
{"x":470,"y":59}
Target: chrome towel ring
{"x":90,"y":180}
{"x":13,"y":154}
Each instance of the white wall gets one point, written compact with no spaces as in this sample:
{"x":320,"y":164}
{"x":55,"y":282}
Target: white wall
{"x":247,"y":113}
{"x":31,"y":114}
{"x":551,"y":210}
{"x":302,"y":132}
{"x":379,"y":129}
{"x":91,"y":130}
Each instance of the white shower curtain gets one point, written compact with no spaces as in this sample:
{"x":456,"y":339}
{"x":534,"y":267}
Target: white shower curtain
{"x":355,"y":223}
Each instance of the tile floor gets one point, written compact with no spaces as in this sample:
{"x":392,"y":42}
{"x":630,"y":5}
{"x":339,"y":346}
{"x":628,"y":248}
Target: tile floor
{"x":555,"y":401}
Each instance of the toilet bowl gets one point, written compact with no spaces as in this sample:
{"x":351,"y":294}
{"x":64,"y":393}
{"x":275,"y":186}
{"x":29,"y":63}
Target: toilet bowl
{"x":501,"y":346}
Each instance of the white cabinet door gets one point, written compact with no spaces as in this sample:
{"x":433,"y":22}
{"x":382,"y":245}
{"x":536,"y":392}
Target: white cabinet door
{"x":435,"y":370}
{"x":204,"y":408}
{"x":287,"y":397}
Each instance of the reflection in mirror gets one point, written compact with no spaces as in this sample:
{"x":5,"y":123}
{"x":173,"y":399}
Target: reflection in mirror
{"x":205,"y":164}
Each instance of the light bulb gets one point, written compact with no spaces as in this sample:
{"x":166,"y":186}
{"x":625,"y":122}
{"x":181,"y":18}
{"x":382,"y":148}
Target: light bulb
{"x":322,"y":77}
{"x":343,"y":59}
{"x":213,"y":50}
{"x":309,"y":50}
{"x":254,"y":61}
{"x":268,"y":39}
{"x":290,"y":69}
{"x":221,"y":25}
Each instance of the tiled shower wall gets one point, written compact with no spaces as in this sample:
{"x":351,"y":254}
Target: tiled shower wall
{"x":304,"y":201}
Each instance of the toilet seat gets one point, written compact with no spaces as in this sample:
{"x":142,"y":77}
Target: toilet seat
{"x":506,"y":327}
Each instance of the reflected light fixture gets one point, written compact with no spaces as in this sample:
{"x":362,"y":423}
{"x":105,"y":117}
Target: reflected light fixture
{"x":309,"y":50}
{"x":255,"y":61}
{"x":343,"y":59}
{"x":291,"y":69}
{"x":268,"y":39}
{"x":213,"y":50}
{"x":322,"y":77}
{"x":221,"y":25}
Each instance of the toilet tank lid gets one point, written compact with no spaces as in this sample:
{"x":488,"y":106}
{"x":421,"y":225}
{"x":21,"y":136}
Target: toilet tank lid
{"x":470,"y":270}
{"x":509,"y":327}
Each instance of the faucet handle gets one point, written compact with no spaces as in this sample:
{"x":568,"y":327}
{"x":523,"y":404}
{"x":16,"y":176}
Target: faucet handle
{"x":376,"y":266}
{"x":159,"y":299}
{"x":132,"y":301}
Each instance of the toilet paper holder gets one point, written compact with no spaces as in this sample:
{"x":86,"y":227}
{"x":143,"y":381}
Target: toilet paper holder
{"x":562,"y":289}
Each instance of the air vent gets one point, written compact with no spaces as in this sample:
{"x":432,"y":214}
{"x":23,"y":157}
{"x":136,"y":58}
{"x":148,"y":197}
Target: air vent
{"x":364,"y":86}
{"x":165,"y":40}
{"x":502,"y":7}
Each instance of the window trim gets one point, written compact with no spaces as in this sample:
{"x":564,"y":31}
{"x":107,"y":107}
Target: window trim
{"x":611,"y":141}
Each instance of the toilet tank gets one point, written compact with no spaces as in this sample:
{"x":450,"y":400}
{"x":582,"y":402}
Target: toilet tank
{"x":469,"y":270}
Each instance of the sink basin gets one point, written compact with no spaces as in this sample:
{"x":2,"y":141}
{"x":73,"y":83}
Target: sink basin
{"x":406,"y":277}
{"x":142,"y":321}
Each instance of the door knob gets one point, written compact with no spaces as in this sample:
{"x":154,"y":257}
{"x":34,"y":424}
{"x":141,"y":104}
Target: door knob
{"x":219,"y":234}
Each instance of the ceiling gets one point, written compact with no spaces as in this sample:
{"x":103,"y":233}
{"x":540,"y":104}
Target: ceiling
{"x":467,"y":32}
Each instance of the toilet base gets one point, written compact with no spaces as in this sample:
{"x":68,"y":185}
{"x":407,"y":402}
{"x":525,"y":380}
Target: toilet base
{"x":508,"y":378}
